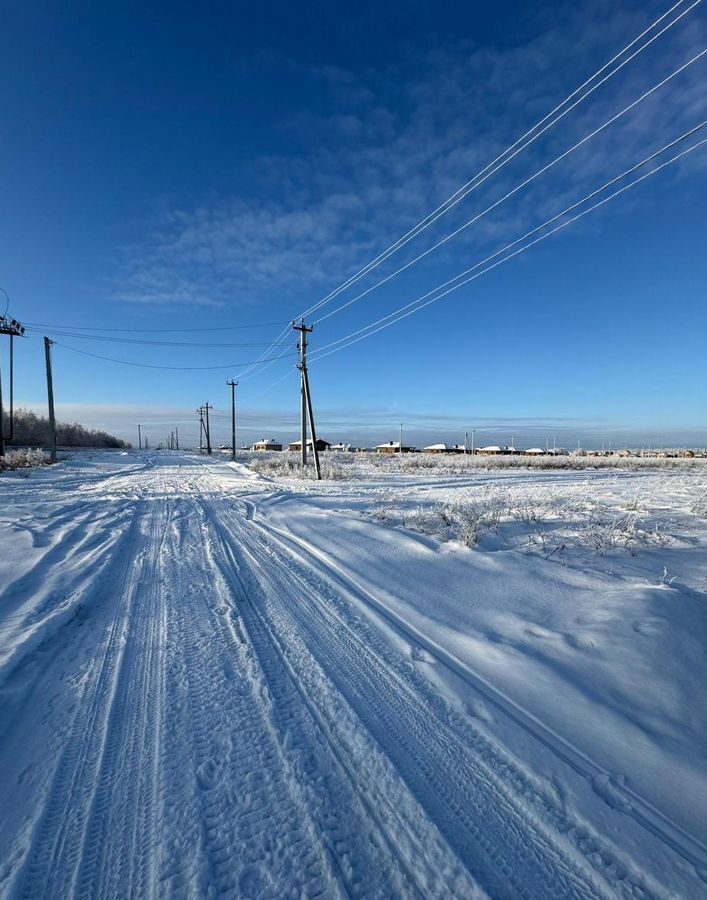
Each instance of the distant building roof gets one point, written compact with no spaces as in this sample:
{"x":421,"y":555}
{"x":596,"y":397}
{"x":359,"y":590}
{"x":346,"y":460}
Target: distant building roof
{"x":436,"y":447}
{"x":493,"y":448}
{"x":320,"y":441}
{"x":267,"y":441}
{"x":536,"y":451}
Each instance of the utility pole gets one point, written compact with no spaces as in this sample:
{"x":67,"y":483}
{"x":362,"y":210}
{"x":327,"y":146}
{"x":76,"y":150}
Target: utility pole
{"x":176,"y":435}
{"x":139,"y":437}
{"x":200,"y":410}
{"x":50,"y":398}
{"x":207,"y":407}
{"x":2,"y":423}
{"x":466,"y":442}
{"x":473,"y":432}
{"x":12,"y":386}
{"x":233,"y":384}
{"x":401,"y":438}
{"x":313,"y":430}
{"x":304,"y":331}
{"x":14,"y":329}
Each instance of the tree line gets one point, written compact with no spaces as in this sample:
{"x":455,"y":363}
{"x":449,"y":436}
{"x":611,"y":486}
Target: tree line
{"x":32,"y":430}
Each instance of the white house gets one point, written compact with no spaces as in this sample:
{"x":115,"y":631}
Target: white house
{"x":392,"y":447}
{"x":267,"y":444}
{"x":436,"y":448}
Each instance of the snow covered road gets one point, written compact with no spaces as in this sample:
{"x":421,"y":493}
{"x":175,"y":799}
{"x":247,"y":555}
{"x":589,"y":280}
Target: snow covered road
{"x":194,"y":703}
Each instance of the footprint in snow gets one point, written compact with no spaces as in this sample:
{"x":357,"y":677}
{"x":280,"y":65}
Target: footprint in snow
{"x":207,"y":775}
{"x":254,"y":882}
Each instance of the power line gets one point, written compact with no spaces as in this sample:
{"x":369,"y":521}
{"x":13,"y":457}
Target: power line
{"x":513,"y":149}
{"x":151,"y":343}
{"x":517,"y":188}
{"x":265,"y":357}
{"x":418,"y":304}
{"x":126,"y":362}
{"x":155,"y":330}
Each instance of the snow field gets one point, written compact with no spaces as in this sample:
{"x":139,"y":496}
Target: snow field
{"x":217,"y":684}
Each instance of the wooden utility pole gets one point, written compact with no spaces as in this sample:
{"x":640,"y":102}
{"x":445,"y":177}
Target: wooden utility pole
{"x":304,"y":331}
{"x":401,"y":438}
{"x":306,"y":411}
{"x":14,"y":329}
{"x":176,"y":435}
{"x":207,"y":407}
{"x":233,"y":384}
{"x":2,"y":422}
{"x":315,"y":450}
{"x":139,"y":437}
{"x":50,"y":398}
{"x":12,"y":387}
{"x":200,"y":410}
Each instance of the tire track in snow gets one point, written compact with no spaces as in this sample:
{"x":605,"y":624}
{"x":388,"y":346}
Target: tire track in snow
{"x":643,"y":812}
{"x":123,"y":794}
{"x":50,"y":865}
{"x":255,"y":839}
{"x":465,"y":793}
{"x":386,"y":851}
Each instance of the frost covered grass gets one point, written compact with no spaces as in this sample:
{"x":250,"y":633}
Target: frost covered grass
{"x":349,"y":466}
{"x":287,"y":465}
{"x":589,"y":524}
{"x":26,"y":458}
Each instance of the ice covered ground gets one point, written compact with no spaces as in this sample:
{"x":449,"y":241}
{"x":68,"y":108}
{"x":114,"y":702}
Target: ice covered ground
{"x":401,"y":685}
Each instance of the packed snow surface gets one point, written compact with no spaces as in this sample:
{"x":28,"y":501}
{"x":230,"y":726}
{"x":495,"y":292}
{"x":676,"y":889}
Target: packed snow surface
{"x":220,"y":683}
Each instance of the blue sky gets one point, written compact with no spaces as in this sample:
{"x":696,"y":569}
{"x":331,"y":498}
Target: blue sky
{"x":181,"y":166}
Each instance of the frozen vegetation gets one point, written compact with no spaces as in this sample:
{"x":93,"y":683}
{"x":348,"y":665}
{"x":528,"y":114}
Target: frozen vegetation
{"x":23,"y":459}
{"x":421,"y":677}
{"x":338,"y":466}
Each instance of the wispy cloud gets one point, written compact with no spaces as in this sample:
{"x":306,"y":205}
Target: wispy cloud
{"x":390,"y":145}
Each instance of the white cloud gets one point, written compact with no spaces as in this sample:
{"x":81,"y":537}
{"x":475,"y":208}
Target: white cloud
{"x":393,"y":144}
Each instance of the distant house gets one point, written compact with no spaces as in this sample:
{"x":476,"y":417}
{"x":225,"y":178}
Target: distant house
{"x":511,"y":450}
{"x":321,"y":445}
{"x":492,"y":450}
{"x":267,"y":444}
{"x":393,"y":447}
{"x":687,"y":454}
{"x":437,"y":448}
{"x":535,"y":451}
{"x":459,"y":448}
{"x":341,"y":447}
